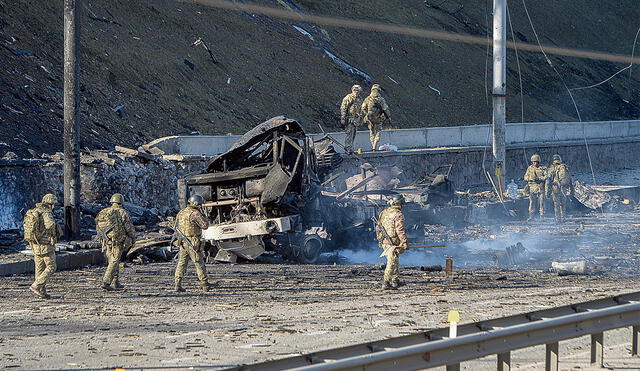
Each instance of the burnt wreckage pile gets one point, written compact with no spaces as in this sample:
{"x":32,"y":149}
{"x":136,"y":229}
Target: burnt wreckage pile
{"x":266,"y":193}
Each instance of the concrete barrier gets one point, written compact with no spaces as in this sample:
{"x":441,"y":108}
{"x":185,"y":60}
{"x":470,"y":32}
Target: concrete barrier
{"x":517,"y":134}
{"x":65,"y":260}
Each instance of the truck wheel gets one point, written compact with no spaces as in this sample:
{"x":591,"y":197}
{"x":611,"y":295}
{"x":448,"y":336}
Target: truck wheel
{"x":310,"y":249}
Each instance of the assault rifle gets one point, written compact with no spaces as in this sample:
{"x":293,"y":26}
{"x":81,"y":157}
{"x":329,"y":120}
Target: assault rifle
{"x":392,"y":246}
{"x":177,"y":235}
{"x":103,"y":238}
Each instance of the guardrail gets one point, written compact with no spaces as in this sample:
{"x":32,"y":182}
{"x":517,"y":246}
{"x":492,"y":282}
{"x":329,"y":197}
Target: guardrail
{"x":498,"y":336}
{"x":517,"y":134}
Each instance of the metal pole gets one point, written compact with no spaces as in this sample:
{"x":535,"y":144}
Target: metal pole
{"x":597,"y":349}
{"x":551,"y":357}
{"x":71,"y":125}
{"x":499,"y":86}
{"x":635,"y":337}
{"x":504,"y":361}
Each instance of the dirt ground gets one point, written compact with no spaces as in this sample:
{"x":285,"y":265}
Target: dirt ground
{"x":259,"y":312}
{"x":265,"y":311}
{"x":142,"y":78}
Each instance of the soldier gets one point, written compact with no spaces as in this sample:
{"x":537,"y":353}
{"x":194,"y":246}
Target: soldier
{"x":535,"y":178}
{"x":188,"y":229}
{"x":559,"y":185}
{"x":375,"y":112}
{"x":41,"y":232}
{"x":350,"y":115}
{"x":392,"y":239}
{"x":115,"y":230}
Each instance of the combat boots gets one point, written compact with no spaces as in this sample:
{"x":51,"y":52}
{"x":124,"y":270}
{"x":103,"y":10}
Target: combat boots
{"x":118,"y":285}
{"x":39,"y":292}
{"x":387,"y":286}
{"x":206,"y":286}
{"x":396,"y":284}
{"x":178,"y":287}
{"x":106,"y":287}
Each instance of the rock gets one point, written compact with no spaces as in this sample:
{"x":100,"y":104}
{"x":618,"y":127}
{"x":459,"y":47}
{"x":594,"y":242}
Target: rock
{"x":10,"y":156}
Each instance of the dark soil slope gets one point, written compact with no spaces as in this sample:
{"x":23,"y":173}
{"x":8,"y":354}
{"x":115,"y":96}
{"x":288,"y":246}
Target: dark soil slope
{"x":142,"y":78}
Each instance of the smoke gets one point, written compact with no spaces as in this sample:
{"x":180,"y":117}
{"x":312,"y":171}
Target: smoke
{"x":416,"y":257}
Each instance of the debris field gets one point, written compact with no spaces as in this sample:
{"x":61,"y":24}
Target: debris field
{"x":263,"y":311}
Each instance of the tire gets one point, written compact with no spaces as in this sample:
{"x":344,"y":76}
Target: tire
{"x":310,"y":249}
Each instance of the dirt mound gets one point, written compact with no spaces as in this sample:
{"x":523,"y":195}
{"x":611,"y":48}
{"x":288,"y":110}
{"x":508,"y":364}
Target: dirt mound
{"x":142,"y":78}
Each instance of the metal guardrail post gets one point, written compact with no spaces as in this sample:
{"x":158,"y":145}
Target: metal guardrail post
{"x":597,"y":349}
{"x":551,"y":357}
{"x":454,"y":367}
{"x":635,"y":336}
{"x":504,"y":361}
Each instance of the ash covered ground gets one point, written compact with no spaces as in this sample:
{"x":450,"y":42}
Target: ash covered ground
{"x":265,"y":311}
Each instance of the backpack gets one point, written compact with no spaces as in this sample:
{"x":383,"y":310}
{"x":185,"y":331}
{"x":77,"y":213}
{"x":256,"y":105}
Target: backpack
{"x":33,"y":226}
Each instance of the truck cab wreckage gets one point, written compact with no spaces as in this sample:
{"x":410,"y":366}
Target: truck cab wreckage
{"x":265,"y":193}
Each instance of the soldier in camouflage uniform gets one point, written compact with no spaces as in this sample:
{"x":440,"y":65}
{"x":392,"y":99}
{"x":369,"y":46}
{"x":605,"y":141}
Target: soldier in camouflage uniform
{"x":189,"y":225}
{"x":392,"y":239}
{"x":350,"y":115}
{"x":42,"y":240}
{"x":535,"y":178}
{"x":559,"y":186}
{"x":115,"y":230}
{"x":375,"y":112}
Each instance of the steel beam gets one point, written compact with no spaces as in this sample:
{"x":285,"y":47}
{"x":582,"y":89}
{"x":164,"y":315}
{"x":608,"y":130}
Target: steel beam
{"x":464,"y":348}
{"x":436,"y":334}
{"x":504,"y":361}
{"x":597,"y":349}
{"x":635,"y":337}
{"x":551,"y":357}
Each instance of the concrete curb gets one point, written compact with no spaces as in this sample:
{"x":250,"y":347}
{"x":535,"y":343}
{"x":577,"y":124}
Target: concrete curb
{"x":64,"y":260}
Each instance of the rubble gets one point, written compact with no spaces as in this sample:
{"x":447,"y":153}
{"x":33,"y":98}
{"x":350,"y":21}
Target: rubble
{"x":590,"y":197}
{"x":568,"y":268}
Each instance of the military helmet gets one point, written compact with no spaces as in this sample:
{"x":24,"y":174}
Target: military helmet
{"x":375,"y":87}
{"x":556,"y":158}
{"x":49,"y":199}
{"x":396,"y":200}
{"x":196,"y":200}
{"x":117,"y":199}
{"x":535,"y":157}
{"x":356,"y":87}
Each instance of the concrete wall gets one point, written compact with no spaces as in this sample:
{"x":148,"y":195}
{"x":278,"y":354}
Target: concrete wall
{"x":455,"y":136}
{"x":467,"y":161}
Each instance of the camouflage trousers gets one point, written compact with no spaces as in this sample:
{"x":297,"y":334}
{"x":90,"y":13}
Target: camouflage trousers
{"x":374,"y":134}
{"x":44,"y":259}
{"x":536,"y":201}
{"x":196,"y":256}
{"x":392,"y":271}
{"x":350,"y":134}
{"x":559,"y":203}
{"x":114,"y":255}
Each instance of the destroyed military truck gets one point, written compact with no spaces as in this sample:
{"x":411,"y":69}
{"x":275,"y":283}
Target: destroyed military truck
{"x":264,"y":193}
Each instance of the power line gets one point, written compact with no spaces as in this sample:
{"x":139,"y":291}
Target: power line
{"x":407,"y":30}
{"x":575,"y":105}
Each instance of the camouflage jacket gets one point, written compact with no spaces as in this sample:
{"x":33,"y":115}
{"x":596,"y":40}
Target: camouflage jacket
{"x":373,"y":107}
{"x":191,"y":222}
{"x":558,"y":177}
{"x":51,"y":230}
{"x":535,"y":177}
{"x":350,"y":108}
{"x":114,"y":221}
{"x":392,"y":220}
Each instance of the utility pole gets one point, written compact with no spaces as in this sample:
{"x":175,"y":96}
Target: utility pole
{"x":71,"y":125}
{"x":499,"y":88}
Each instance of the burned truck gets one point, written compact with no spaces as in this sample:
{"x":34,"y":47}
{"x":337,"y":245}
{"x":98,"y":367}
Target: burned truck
{"x":265,"y":193}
